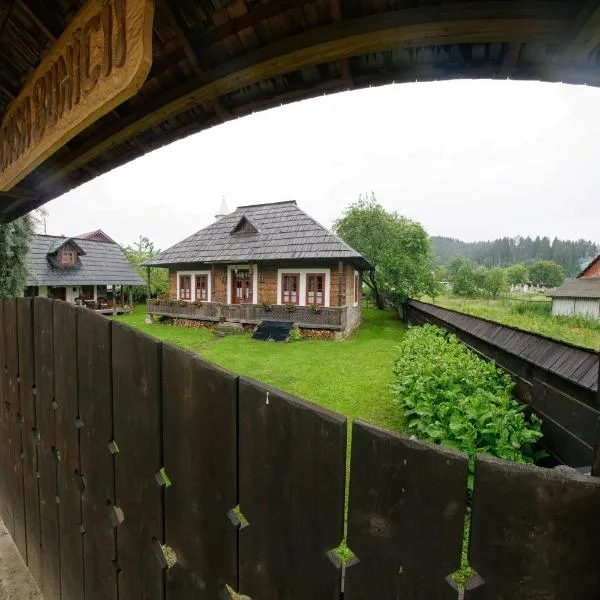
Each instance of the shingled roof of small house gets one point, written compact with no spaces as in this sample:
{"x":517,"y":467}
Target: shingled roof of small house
{"x":261,"y":232}
{"x":99,"y":263}
{"x":584,"y":287}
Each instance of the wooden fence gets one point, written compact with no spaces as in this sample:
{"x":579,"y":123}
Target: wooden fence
{"x":123,"y":459}
{"x":558,"y":380}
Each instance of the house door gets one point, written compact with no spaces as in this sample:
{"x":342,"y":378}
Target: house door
{"x":58,"y":293}
{"x":241,"y":287}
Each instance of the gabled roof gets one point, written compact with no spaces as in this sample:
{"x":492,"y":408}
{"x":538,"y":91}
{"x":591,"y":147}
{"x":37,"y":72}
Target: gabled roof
{"x":57,"y":243}
{"x":284,"y":232}
{"x":589,"y":266}
{"x":98,"y":235}
{"x":584,"y":287}
{"x":99,"y":263}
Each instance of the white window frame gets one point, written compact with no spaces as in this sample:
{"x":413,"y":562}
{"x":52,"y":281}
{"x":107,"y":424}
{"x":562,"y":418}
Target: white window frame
{"x":302,"y":291}
{"x":254,"y":268}
{"x":193,"y":284}
{"x":355,"y":299}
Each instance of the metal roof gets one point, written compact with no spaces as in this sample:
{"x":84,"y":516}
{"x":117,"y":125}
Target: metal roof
{"x":284,"y":232}
{"x":102,"y":264}
{"x":584,"y":287}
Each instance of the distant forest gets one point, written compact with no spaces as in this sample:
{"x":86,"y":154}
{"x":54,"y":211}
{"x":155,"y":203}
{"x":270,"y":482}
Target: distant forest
{"x":571,"y":255}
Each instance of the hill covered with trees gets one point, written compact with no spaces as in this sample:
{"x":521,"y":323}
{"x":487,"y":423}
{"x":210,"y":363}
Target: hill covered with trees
{"x":572,"y":256}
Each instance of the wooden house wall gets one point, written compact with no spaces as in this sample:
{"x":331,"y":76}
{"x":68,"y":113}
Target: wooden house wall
{"x":593,"y":270}
{"x":341,"y":282}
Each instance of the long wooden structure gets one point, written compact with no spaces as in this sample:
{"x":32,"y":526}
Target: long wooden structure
{"x":213,"y":61}
{"x":134,"y":469}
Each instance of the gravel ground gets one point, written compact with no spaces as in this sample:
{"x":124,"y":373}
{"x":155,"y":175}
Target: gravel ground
{"x":16,"y":583}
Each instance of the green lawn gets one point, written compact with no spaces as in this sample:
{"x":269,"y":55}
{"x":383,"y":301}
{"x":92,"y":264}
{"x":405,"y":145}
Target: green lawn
{"x":352,"y":377}
{"x":531,"y":315}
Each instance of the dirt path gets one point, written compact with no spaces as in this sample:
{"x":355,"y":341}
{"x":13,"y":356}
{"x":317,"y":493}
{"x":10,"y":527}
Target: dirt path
{"x":16,"y":582}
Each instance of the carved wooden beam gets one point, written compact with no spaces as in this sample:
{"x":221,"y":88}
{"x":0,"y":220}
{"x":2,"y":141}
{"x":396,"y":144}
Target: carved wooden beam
{"x":545,"y":22}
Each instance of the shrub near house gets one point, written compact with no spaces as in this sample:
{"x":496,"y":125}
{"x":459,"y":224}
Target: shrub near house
{"x":450,"y":396}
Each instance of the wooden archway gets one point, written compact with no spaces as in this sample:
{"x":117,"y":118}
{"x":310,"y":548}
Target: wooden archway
{"x":211,"y":65}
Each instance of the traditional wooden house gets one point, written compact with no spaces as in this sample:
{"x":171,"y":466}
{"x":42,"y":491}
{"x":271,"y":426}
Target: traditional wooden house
{"x":579,"y":296}
{"x":79,"y":270}
{"x":263,"y":262}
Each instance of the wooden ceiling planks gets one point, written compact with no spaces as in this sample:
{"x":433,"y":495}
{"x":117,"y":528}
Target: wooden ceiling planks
{"x":206,"y":52}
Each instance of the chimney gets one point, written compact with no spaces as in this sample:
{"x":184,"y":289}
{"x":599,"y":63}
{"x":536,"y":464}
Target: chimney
{"x":223,"y":210}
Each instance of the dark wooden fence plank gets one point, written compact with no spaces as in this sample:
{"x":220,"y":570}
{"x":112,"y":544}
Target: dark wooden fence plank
{"x":6,"y":470}
{"x":44,"y":377}
{"x":292,"y":471}
{"x":535,"y":533}
{"x":67,"y":441}
{"x":30,"y":438}
{"x":16,"y":444}
{"x":578,"y":418}
{"x":136,"y":361}
{"x":94,"y":360}
{"x":200,"y":453}
{"x":406,"y":516}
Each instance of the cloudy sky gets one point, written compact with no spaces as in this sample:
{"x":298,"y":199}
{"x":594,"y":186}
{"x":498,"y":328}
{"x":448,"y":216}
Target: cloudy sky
{"x":468,"y":159}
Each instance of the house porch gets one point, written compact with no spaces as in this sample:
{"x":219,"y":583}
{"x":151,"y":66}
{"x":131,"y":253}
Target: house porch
{"x":343,"y":319}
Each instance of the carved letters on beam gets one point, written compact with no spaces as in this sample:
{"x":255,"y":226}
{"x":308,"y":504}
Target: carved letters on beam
{"x":101,"y":60}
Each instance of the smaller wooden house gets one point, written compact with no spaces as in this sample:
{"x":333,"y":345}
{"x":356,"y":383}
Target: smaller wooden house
{"x":580,"y":296}
{"x":88,"y":271}
{"x":263,"y":262}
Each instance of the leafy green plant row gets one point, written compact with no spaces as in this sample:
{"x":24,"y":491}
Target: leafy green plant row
{"x":452,"y":397}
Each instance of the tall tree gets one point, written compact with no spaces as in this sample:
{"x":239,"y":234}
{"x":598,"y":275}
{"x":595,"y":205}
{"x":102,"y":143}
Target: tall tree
{"x":547,"y":273}
{"x":15,"y":240}
{"x":141,"y":250}
{"x":398,"y":249}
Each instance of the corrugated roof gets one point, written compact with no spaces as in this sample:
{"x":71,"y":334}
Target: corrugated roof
{"x":102,"y":264}
{"x":585,"y":287}
{"x":284,"y":233}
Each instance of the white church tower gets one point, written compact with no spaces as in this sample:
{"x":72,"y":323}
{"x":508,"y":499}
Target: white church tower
{"x":223,"y":210}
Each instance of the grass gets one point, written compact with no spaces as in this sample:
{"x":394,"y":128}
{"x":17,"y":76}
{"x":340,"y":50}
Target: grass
{"x":351,"y":377}
{"x":532,"y":315}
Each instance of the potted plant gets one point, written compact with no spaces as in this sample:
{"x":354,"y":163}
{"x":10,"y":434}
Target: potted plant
{"x":267,"y":307}
{"x":316,"y":308}
{"x":290,"y":307}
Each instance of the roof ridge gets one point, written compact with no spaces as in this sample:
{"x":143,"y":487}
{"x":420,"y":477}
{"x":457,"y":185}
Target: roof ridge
{"x":266,"y":204}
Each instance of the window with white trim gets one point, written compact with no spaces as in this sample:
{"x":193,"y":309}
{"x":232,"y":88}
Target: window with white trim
{"x":290,"y":288}
{"x":315,"y":289}
{"x":202,"y":288}
{"x":185,"y":287}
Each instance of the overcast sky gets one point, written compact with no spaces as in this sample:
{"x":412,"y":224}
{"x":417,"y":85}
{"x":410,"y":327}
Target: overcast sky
{"x":468,"y":159}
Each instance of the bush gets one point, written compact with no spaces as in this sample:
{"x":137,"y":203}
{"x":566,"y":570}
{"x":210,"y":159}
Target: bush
{"x":452,"y":397}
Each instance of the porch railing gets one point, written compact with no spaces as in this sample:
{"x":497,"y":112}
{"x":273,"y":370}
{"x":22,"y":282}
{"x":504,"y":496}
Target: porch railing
{"x":304,"y":316}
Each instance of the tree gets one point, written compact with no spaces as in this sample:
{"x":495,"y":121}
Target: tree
{"x":516,"y":274}
{"x":546,"y":273}
{"x":398,"y":249}
{"x":15,"y":239}
{"x":141,"y":250}
{"x":495,"y":281}
{"x":461,"y":273}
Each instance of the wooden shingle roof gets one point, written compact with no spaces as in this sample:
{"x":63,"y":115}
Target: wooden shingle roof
{"x":584,"y":287}
{"x":281,"y":231}
{"x":101,"y":263}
